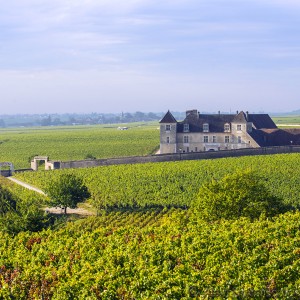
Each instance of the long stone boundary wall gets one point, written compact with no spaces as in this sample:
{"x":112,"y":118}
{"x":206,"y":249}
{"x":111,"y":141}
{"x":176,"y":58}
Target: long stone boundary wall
{"x":179,"y":156}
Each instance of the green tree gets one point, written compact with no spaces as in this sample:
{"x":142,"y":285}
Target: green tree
{"x":242,"y":194}
{"x":46,"y":121}
{"x":90,"y":156}
{"x":67,"y":190}
{"x":2,"y":123}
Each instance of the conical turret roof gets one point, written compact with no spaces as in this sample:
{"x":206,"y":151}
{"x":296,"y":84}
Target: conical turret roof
{"x":168,"y":118}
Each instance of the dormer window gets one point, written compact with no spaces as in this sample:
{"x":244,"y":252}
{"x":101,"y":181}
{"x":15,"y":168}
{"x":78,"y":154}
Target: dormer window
{"x":205,"y":127}
{"x":249,"y":127}
{"x":227,"y":127}
{"x":186,"y":127}
{"x":168,"y":127}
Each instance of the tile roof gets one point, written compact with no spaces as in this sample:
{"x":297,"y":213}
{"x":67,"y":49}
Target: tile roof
{"x":261,"y":121}
{"x":217,"y":121}
{"x":276,"y":137}
{"x":259,"y":137}
{"x":168,"y":118}
{"x":294,"y":131}
{"x":240,"y":117}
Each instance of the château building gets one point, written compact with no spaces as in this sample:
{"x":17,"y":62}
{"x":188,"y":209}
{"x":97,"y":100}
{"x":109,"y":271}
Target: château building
{"x":214,"y":132}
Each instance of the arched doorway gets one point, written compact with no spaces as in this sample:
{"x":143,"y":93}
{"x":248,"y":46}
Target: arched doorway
{"x":49,"y":165}
{"x":35,"y":162}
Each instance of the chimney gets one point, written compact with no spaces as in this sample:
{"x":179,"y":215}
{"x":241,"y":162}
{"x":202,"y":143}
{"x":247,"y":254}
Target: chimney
{"x":219,"y":112}
{"x":192,"y":112}
{"x":237,"y":112}
{"x":247,"y":115}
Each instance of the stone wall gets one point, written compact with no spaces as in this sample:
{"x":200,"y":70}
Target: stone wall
{"x":178,"y":156}
{"x":5,"y":173}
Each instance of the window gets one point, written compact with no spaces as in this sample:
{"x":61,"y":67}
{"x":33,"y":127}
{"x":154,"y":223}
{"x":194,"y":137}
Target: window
{"x":186,"y":139}
{"x":227,"y":127}
{"x":239,"y":127}
{"x":196,"y":149}
{"x":205,"y":127}
{"x":249,"y":127}
{"x":205,"y":139}
{"x":214,"y":139}
{"x":168,"y":127}
{"x":239,"y":139}
{"x":186,"y":127}
{"x":227,"y":139}
{"x":187,"y":149}
{"x":168,"y":140}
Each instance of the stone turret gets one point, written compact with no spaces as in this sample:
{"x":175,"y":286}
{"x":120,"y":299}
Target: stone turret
{"x":168,"y":133}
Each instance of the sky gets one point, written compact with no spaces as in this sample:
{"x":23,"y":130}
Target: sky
{"x":113,"y":56}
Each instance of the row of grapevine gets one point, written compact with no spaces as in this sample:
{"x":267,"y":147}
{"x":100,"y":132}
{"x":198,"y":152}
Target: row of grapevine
{"x":179,"y":257}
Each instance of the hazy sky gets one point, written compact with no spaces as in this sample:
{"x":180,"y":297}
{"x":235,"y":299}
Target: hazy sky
{"x":149,"y":55}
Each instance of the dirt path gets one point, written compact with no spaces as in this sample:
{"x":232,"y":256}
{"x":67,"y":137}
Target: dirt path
{"x":53,"y":210}
{"x":26,"y":185}
{"x":77,"y":211}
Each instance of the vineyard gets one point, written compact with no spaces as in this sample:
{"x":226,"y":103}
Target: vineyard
{"x":149,"y":242}
{"x":76,"y":143}
{"x":166,"y":254}
{"x":176,"y":184}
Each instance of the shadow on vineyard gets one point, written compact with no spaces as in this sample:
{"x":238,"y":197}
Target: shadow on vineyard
{"x":135,"y":208}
